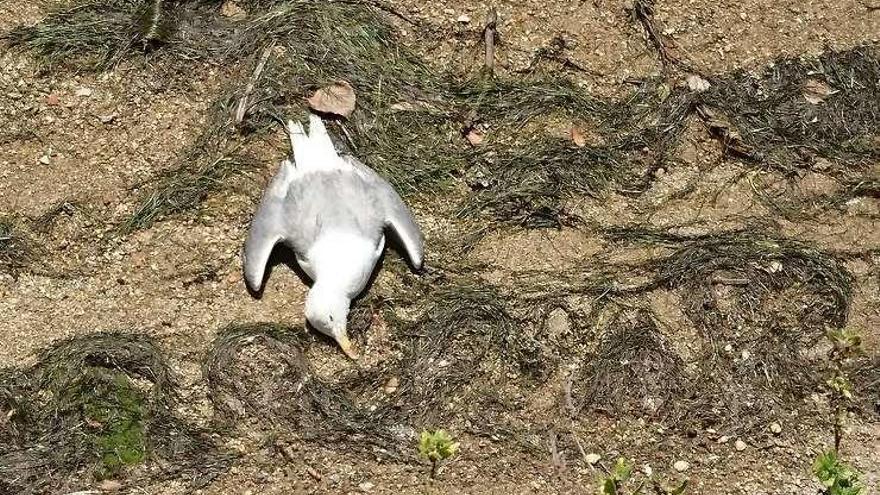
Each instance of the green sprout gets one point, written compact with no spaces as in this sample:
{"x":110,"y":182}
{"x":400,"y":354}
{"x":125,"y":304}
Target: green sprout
{"x":436,"y":447}
{"x":846,"y":342}
{"x":835,"y":476}
{"x":840,"y":385}
{"x":619,"y":475}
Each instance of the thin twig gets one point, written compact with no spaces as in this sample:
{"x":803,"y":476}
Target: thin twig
{"x":243,"y":106}
{"x":489,"y":33}
{"x":644,"y":12}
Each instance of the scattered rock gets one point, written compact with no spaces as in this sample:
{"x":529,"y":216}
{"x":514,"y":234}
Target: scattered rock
{"x":697,"y":83}
{"x":313,"y":473}
{"x":592,"y":459}
{"x":681,"y":466}
{"x":776,"y":428}
{"x":775,"y":266}
{"x":558,"y":323}
{"x":648,"y":470}
{"x":464,"y":18}
{"x":391,"y":385}
{"x":109,"y":486}
{"x":106,"y":119}
{"x":232,"y":10}
{"x":724,"y":439}
{"x":474,"y":137}
{"x":746,"y":355}
{"x":44,"y":159}
{"x":338,"y":99}
{"x":83,"y":92}
{"x":442,"y":363}
{"x":739,"y":445}
{"x":366,"y":486}
{"x":449,"y":11}
{"x":578,"y":138}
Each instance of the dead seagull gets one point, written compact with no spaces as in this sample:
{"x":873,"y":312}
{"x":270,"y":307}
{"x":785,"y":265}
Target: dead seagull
{"x":332,"y":211}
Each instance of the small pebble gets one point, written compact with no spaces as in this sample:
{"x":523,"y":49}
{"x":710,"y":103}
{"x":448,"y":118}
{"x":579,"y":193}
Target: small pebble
{"x":449,"y":11}
{"x":647,"y":470}
{"x":84,"y":92}
{"x":366,"y":486}
{"x":724,"y":439}
{"x":592,"y":459}
{"x":746,"y":355}
{"x":681,"y":466}
{"x":44,"y":159}
{"x":776,"y":428}
{"x":391,"y":385}
{"x":740,"y":445}
{"x":109,"y":486}
{"x":728,"y":348}
{"x":464,"y":18}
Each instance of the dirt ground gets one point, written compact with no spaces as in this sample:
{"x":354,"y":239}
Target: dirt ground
{"x":693,"y":381}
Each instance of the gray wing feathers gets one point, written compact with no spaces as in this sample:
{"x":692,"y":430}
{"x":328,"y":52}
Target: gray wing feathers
{"x":397,"y":215}
{"x":267,"y":227}
{"x":401,"y":220}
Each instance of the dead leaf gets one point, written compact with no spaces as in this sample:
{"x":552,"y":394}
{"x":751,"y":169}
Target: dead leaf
{"x":338,"y":99}
{"x":697,"y":83}
{"x":232,"y":10}
{"x":52,"y":100}
{"x":815,"y":91}
{"x":577,"y":136}
{"x":474,"y":137}
{"x":721,"y":127}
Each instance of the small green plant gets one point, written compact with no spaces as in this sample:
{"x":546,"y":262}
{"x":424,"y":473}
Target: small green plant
{"x":436,"y":447}
{"x":617,"y":477}
{"x":845,"y":345}
{"x":835,"y":476}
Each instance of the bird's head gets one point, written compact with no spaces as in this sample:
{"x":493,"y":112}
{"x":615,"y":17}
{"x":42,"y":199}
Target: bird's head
{"x":327,"y":312}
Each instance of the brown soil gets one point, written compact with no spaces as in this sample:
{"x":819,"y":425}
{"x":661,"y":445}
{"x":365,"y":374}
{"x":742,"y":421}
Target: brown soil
{"x":179,"y":281}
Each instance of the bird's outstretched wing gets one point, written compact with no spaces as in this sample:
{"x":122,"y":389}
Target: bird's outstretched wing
{"x":267,"y":227}
{"x":397,"y":215}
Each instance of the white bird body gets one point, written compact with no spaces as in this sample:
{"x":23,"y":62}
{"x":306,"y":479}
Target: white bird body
{"x":333,"y":212}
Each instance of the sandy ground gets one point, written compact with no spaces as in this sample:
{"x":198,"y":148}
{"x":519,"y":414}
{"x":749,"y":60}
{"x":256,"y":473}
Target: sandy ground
{"x":180,"y":282}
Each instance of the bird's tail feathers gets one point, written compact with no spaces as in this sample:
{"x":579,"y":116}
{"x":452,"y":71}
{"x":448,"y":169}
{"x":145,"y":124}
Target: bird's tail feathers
{"x":314,"y":150}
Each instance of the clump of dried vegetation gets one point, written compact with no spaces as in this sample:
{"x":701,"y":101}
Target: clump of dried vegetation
{"x":16,"y":251}
{"x":759,"y":302}
{"x":97,"y":407}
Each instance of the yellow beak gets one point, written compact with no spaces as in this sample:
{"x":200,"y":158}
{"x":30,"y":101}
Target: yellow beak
{"x":346,"y":346}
